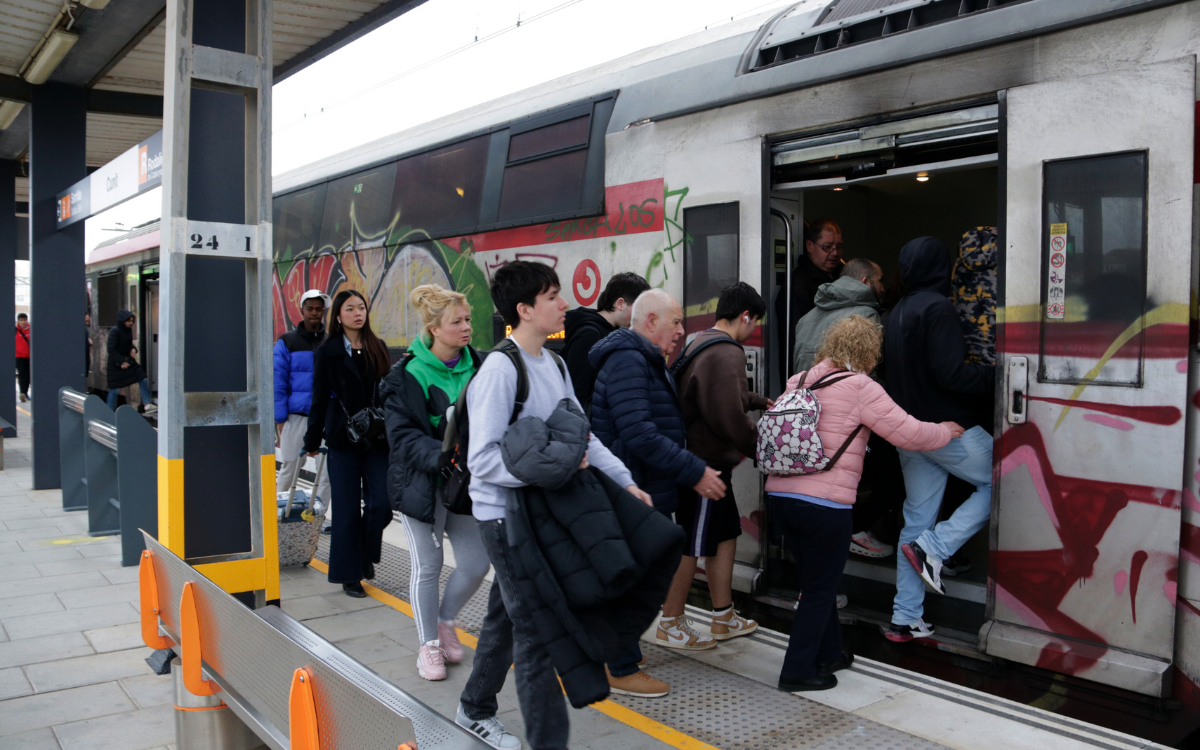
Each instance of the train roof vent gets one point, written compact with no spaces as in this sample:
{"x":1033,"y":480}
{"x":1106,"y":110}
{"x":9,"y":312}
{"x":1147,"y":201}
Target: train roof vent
{"x":845,"y":23}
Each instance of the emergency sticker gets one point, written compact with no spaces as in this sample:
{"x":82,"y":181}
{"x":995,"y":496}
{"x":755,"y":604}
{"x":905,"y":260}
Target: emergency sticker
{"x":1056,"y":291}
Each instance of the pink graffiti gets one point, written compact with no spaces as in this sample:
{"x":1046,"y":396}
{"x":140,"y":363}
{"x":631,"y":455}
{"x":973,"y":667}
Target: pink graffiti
{"x":1116,"y":424}
{"x":1119,"y":581}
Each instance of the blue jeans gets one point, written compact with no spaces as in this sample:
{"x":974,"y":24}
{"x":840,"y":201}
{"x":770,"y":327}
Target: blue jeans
{"x":510,"y":636}
{"x":925,"y":473}
{"x":113,"y":393}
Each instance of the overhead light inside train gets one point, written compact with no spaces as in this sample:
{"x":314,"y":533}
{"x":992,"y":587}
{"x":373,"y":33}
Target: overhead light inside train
{"x":460,"y":192}
{"x":57,"y":45}
{"x":838,"y":190}
{"x":8,"y":113}
{"x":922,"y":177}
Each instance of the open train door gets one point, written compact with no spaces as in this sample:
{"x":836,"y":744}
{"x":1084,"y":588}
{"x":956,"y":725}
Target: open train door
{"x":1092,"y":375}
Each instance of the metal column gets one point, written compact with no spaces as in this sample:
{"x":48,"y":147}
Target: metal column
{"x":216,"y":454}
{"x":58,"y":291}
{"x":8,"y":258}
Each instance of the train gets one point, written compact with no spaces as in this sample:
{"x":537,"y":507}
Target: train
{"x":1068,"y":128}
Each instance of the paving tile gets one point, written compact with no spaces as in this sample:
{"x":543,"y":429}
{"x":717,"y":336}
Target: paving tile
{"x":69,"y":620}
{"x":3,"y":635}
{"x":115,"y":638}
{"x":28,"y":523}
{"x":345,"y":603}
{"x":121,"y":575}
{"x":373,"y":649}
{"x":44,"y":648}
{"x":355,"y":624}
{"x":296,"y":588}
{"x":13,"y":683}
{"x":88,"y":670}
{"x":79,"y":565}
{"x":17,"y":514}
{"x":52,"y":584}
{"x":7,"y":548}
{"x":627,"y":738}
{"x":24,"y":557}
{"x":150,"y":689}
{"x":51,"y":709}
{"x":308,"y":607}
{"x":79,"y":598}
{"x":138,"y":730}
{"x":19,"y":573}
{"x":49,"y":536}
{"x":100,"y":550}
{"x":34,"y":604}
{"x":38,"y":739}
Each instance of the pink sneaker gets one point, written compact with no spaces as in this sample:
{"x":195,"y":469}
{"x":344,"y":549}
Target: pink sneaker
{"x":451,"y":646}
{"x":431,"y":662}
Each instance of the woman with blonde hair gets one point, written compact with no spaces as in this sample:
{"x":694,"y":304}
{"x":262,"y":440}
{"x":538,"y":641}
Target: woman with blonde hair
{"x":417,"y":392}
{"x":813,"y":510}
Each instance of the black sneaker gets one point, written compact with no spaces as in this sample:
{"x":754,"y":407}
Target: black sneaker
{"x":956,"y":565}
{"x":836,"y":666}
{"x":905,"y":633}
{"x":823,"y":681}
{"x":355,"y":590}
{"x":928,"y":566}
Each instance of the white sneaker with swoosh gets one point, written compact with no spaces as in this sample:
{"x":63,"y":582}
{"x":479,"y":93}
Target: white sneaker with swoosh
{"x":677,"y":633}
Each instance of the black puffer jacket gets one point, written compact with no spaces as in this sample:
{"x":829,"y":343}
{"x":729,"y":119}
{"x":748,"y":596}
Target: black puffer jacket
{"x":927,"y":373}
{"x":591,"y":562}
{"x":120,"y":348}
{"x":414,"y":447}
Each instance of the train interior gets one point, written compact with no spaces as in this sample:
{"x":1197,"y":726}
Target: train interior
{"x":126,"y":284}
{"x":940,"y":194}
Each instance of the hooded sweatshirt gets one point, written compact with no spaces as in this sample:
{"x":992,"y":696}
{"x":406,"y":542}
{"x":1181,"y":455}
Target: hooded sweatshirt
{"x":835,"y":301}
{"x":715,"y":398}
{"x":584,"y":327}
{"x":120,"y":348}
{"x":441,"y":385}
{"x":806,"y":280}
{"x":975,"y":292}
{"x":927,"y":372}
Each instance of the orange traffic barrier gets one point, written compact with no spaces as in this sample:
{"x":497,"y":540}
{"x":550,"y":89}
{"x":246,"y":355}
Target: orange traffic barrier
{"x":302,"y":712}
{"x":148,"y":592}
{"x":189,"y":633}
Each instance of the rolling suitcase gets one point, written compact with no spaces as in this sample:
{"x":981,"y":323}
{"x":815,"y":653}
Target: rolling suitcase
{"x":299,"y":524}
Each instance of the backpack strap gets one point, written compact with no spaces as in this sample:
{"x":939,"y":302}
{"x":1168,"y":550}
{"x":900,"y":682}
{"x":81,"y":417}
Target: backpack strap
{"x":691,"y":352}
{"x":825,"y":379}
{"x":509,"y":348}
{"x":842,"y":450}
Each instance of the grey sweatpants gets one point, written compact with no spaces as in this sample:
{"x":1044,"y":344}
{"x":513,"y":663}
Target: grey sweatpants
{"x":425,"y":542}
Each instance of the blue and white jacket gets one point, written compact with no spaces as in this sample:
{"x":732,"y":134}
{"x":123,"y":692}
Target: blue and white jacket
{"x":294,"y":371}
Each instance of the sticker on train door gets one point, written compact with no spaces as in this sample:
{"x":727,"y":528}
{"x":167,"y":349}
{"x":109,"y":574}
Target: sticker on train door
{"x":1056,"y":294}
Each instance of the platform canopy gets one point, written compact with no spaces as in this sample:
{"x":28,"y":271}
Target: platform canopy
{"x":114,"y":49}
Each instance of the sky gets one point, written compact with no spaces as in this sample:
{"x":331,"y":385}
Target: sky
{"x":445,"y":56}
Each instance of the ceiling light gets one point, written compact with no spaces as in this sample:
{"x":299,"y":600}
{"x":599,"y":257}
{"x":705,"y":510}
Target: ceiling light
{"x":460,"y":192}
{"x":922,"y":177}
{"x":94,"y":4}
{"x":838,"y":190}
{"x":52,"y":53}
{"x":8,"y":113}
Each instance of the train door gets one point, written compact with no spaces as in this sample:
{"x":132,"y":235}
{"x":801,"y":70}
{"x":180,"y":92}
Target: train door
{"x":151,"y":308}
{"x":1092,"y":374}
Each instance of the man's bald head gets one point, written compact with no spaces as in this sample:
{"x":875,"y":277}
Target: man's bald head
{"x":659,"y":317}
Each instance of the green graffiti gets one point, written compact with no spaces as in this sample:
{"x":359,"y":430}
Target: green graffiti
{"x":676,"y":237}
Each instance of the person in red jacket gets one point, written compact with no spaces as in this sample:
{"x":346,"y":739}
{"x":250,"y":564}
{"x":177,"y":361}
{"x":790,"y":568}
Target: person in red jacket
{"x":23,"y":355}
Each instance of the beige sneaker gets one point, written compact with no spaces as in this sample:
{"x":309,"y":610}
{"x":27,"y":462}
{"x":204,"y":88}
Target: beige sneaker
{"x":639,"y":685}
{"x":677,"y":633}
{"x":731,"y":626}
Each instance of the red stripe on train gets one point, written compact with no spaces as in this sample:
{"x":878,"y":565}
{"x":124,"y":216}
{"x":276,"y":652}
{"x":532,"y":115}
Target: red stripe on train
{"x":1091,"y":340}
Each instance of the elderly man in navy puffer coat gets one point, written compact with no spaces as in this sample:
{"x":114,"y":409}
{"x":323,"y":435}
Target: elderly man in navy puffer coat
{"x":636,"y":413}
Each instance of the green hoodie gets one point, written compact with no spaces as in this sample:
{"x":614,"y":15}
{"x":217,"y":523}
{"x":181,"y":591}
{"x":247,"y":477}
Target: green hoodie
{"x":441,"y":384}
{"x":834,"y":301}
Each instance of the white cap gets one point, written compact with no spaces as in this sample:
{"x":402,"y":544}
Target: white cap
{"x":314,"y":294}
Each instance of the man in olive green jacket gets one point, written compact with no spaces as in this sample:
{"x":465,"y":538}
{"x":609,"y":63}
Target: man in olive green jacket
{"x":855,"y":292}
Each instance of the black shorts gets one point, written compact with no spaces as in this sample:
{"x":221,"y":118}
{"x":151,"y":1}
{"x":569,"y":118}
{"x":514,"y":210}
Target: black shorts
{"x":708,"y":522}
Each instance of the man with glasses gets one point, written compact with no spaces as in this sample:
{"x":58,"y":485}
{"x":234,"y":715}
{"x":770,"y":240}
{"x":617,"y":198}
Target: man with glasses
{"x":820,"y":263}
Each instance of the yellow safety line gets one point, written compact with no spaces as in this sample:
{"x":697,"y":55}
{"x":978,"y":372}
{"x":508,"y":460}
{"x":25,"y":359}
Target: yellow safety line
{"x":627,"y":716}
{"x":24,"y":412}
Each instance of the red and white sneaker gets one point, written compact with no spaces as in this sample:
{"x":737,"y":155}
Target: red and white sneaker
{"x":864,"y":543}
{"x":431,"y":662}
{"x":448,"y":637}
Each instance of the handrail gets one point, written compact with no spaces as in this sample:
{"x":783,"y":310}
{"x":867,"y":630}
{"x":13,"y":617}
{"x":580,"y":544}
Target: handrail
{"x":73,"y":400}
{"x":103,"y":433}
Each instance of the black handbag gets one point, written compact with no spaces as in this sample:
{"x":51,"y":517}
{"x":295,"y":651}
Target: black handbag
{"x":366,"y":425}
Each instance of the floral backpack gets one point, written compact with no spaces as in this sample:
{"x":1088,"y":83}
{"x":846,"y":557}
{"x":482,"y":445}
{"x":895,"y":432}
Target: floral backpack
{"x":788,"y":443}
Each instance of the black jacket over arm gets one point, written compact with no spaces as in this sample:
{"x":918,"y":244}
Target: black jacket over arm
{"x":338,"y":388}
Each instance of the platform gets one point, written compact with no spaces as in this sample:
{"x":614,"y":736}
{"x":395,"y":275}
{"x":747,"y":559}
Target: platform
{"x":73,"y":675}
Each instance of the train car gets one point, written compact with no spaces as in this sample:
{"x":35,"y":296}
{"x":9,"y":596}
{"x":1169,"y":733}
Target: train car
{"x":1066,"y":129}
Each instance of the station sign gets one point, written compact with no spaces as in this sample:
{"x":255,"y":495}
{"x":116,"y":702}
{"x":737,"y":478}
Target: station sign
{"x":134,"y":172}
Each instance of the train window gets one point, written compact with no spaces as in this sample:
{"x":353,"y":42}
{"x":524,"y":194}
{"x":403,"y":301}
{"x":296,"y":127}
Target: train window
{"x":543,"y":187}
{"x":1093,"y":268}
{"x":710,"y":255}
{"x":358,"y":209}
{"x":557,"y":137}
{"x":439,"y":191}
{"x":108,"y":299}
{"x":297,"y":222}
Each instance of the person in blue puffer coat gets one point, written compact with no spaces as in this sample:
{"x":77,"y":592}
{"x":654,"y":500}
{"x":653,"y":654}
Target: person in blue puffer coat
{"x":636,"y":414}
{"x":293,"y":389}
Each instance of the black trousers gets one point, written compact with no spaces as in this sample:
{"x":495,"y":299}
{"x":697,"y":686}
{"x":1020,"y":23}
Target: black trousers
{"x":23,"y":375}
{"x":819,"y":537}
{"x":361,"y":511}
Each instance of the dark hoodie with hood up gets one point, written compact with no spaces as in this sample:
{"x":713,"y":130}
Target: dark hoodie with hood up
{"x":927,"y":372}
{"x":584,"y":327}
{"x":120,"y":347}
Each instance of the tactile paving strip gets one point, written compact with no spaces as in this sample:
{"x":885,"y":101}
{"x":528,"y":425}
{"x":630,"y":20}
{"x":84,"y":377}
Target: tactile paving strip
{"x":714,"y":706}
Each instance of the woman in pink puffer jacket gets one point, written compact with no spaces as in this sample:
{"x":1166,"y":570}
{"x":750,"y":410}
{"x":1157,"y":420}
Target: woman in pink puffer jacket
{"x":813,"y":510}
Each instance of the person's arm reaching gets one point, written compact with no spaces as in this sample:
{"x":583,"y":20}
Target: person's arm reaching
{"x":883,"y":416}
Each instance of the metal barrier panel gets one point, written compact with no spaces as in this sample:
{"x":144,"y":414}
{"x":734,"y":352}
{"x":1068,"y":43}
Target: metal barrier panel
{"x":252,"y":656}
{"x":70,"y":449}
{"x":100,"y":463}
{"x":137,"y":481}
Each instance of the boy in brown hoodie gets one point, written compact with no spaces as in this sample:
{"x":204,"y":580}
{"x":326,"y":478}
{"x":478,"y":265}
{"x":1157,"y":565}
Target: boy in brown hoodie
{"x":711,"y":379}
